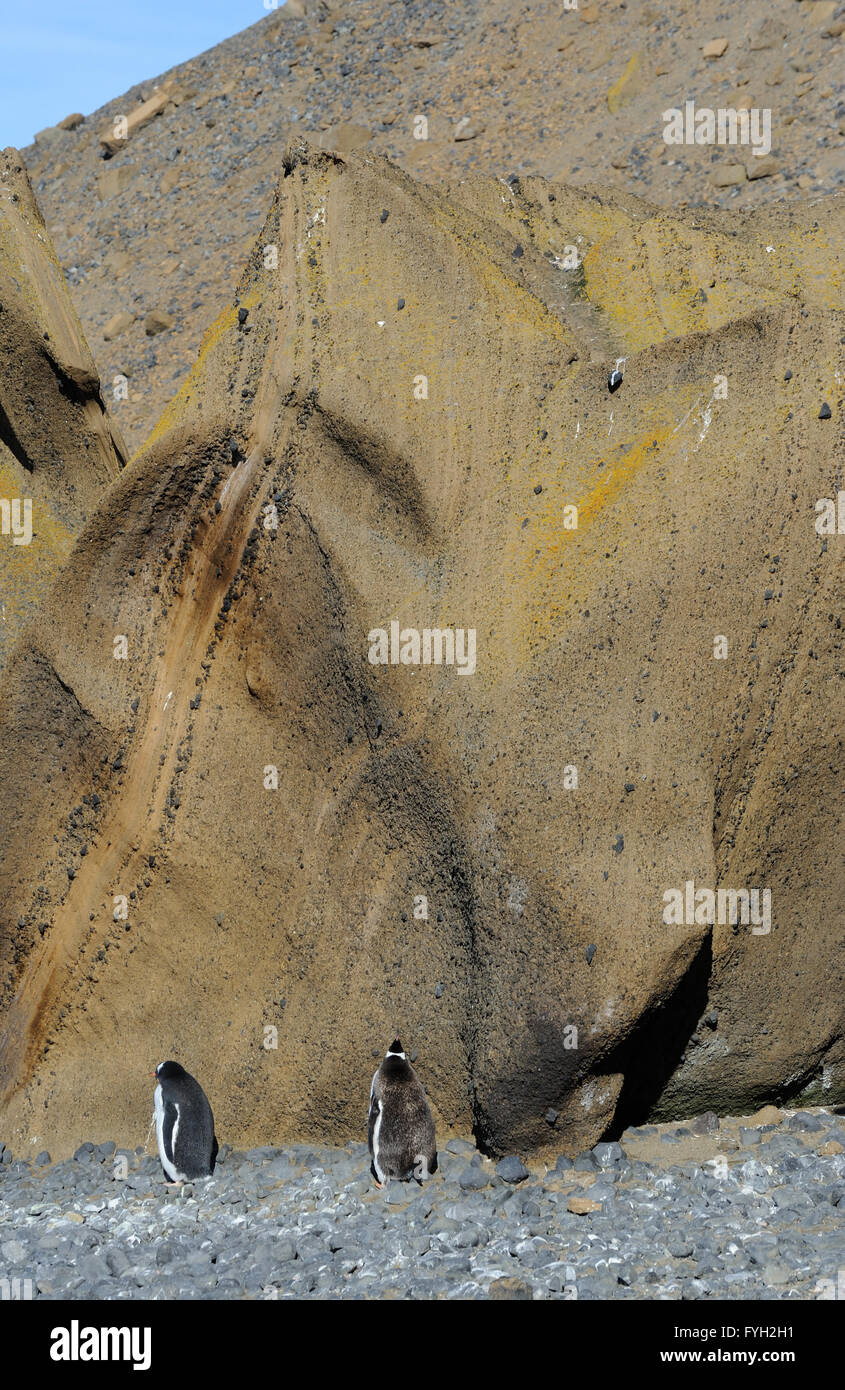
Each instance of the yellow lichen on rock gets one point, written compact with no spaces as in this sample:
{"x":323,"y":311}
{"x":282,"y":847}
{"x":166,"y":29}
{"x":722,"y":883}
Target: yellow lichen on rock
{"x":628,"y":85}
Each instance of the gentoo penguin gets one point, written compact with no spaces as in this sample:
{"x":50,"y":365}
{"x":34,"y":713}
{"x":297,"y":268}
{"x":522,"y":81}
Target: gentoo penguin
{"x":401,"y":1128}
{"x":184,"y":1125}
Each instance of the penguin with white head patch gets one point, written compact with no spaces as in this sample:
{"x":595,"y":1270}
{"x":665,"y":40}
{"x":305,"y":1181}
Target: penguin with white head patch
{"x":187,"y":1144}
{"x":401,"y":1128}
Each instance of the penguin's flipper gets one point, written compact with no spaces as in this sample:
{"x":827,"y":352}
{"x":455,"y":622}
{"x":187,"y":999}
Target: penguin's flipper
{"x":168,"y":1129}
{"x":372,"y":1122}
{"x":375,"y":1107}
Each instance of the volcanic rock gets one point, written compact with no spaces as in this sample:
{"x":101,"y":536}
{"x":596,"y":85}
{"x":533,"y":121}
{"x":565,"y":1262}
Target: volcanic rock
{"x":250,"y":757}
{"x":59,"y":447}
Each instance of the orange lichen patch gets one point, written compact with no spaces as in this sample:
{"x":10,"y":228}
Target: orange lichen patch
{"x":176,"y":409}
{"x":548,"y":565}
{"x":501,"y":289}
{"x":225,"y":322}
{"x":617,"y":280}
{"x":818,"y":265}
{"x":174,"y":412}
{"x":663,"y":278}
{"x":616,"y":476}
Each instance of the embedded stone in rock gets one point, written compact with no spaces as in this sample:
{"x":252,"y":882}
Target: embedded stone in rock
{"x":346,"y":137}
{"x":460,"y":1146}
{"x":769,"y":34}
{"x":117,"y":324}
{"x":112,"y":182}
{"x":804,"y":1122}
{"x":115,"y":136}
{"x":156,"y":321}
{"x":728,"y":175}
{"x":762,"y":168}
{"x":467,"y":129}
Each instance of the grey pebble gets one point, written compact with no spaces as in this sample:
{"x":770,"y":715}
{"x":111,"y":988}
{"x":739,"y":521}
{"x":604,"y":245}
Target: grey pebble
{"x":511,"y":1169}
{"x":474,"y":1179}
{"x":749,"y":1137}
{"x":608,"y":1154}
{"x":460,"y":1146}
{"x":307,"y":1221}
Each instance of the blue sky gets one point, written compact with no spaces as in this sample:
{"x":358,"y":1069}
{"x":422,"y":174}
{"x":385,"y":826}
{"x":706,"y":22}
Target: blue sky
{"x":76,"y":55}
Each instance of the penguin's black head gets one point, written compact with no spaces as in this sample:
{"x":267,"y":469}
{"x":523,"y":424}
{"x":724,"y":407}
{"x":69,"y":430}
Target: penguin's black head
{"x":396,"y":1049}
{"x":169,"y":1071}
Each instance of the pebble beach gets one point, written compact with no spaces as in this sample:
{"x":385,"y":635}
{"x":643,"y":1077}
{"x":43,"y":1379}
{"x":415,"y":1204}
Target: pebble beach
{"x":747,"y":1208}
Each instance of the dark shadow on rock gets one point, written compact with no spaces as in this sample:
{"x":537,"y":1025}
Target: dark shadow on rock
{"x":652,"y":1051}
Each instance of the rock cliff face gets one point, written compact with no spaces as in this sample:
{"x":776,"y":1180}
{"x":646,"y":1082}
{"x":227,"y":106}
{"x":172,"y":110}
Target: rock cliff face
{"x":226,"y":828}
{"x":58,"y":446}
{"x":154,"y":238}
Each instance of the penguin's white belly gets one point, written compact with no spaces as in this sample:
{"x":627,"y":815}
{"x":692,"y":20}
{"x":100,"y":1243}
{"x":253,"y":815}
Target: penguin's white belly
{"x":376,"y":1134}
{"x":170,"y":1169}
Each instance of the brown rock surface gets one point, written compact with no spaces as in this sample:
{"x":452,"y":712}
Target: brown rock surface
{"x":294,"y":908}
{"x":58,"y":446}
